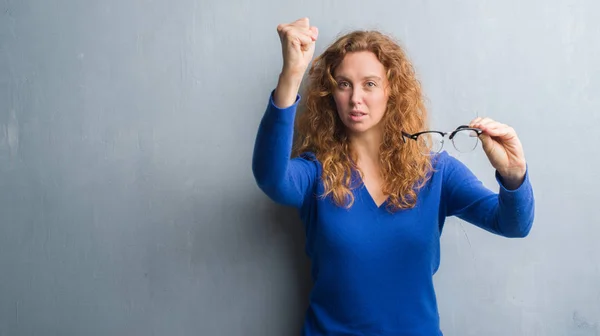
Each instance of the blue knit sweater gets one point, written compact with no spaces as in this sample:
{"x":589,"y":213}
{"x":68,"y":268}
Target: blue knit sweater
{"x":372,"y":270}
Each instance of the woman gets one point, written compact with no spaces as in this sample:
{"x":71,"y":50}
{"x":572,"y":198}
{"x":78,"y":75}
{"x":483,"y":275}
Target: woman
{"x":373,"y":204}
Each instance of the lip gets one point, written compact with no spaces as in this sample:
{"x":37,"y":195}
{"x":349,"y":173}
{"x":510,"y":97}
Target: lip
{"x":356,"y":115}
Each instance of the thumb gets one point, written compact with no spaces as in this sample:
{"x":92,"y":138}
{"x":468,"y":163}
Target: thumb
{"x":315,"y":33}
{"x":303,"y":22}
{"x":309,"y":47}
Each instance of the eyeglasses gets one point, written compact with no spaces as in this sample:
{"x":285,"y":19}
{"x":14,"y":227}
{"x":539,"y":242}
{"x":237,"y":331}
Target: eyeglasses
{"x":464,"y":139}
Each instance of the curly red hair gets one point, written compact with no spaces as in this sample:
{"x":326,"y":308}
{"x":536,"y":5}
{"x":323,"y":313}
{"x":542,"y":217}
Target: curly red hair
{"x":319,"y":130}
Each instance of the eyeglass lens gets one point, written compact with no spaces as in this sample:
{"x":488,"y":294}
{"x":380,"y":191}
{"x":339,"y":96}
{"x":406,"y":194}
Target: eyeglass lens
{"x":463,"y":141}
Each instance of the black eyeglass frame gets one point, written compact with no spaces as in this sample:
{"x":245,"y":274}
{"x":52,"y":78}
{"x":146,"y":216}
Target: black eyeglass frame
{"x":415,"y":136}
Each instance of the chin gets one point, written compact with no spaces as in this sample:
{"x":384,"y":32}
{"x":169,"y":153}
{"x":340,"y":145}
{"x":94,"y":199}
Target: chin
{"x":357,"y":128}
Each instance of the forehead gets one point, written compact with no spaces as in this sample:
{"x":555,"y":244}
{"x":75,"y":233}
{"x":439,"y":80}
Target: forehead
{"x":360,"y":64}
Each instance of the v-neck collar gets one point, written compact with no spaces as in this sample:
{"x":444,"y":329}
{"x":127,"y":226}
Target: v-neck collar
{"x":366,"y":194}
{"x":370,"y":198}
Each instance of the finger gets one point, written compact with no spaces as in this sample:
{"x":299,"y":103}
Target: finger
{"x":289,"y":31}
{"x":486,"y":125}
{"x":296,"y":39}
{"x":502,"y":131}
{"x":475,"y":122}
{"x":285,"y":29}
{"x":302,"y":22}
{"x":308,"y":34}
{"x":480,"y":122}
{"x":485,"y":122}
{"x":282,"y":27}
{"x":304,"y":25}
{"x":311,"y":32}
{"x":489,"y":126}
{"x":303,"y":40}
{"x":485,"y":140}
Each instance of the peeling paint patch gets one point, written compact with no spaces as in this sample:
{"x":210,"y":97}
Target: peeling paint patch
{"x":12,"y":134}
{"x":581,"y":323}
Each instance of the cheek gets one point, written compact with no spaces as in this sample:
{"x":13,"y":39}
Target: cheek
{"x":378,"y":102}
{"x":340,"y":99}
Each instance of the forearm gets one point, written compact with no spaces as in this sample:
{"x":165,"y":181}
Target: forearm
{"x":283,"y":179}
{"x":508,"y":213}
{"x":272,"y":149}
{"x":287,"y":89}
{"x":516,"y":205}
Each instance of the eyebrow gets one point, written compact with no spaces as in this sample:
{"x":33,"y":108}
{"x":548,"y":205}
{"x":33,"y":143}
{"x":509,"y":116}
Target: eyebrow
{"x":366,"y":77}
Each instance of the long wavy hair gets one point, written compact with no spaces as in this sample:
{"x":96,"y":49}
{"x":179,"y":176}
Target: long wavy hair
{"x":320,"y":131}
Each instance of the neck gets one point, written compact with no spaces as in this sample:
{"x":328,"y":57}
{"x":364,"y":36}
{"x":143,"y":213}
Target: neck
{"x":366,"y":145}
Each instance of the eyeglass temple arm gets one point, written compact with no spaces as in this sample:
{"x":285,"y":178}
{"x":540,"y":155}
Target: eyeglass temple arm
{"x":406,"y":135}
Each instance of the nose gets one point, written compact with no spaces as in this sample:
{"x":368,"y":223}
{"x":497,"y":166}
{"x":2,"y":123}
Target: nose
{"x":356,"y":97}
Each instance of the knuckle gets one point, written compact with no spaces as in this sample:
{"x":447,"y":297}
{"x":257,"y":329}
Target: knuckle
{"x":287,"y":30}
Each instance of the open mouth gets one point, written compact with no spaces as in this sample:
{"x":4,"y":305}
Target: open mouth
{"x":357,"y":114}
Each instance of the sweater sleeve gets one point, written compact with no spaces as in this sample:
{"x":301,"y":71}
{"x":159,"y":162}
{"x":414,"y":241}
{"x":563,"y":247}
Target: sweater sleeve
{"x":287,"y":181}
{"x":508,"y":213}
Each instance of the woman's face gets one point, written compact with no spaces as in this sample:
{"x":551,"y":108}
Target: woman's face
{"x":361,"y":95}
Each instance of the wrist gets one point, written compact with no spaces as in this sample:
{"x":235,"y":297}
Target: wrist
{"x":513,"y":178}
{"x":290,"y":78}
{"x":287,"y":89}
{"x":294,"y":74}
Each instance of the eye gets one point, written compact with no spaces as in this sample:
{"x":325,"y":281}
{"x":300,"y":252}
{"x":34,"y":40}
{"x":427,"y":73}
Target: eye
{"x":371,"y":84}
{"x":343,"y":84}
